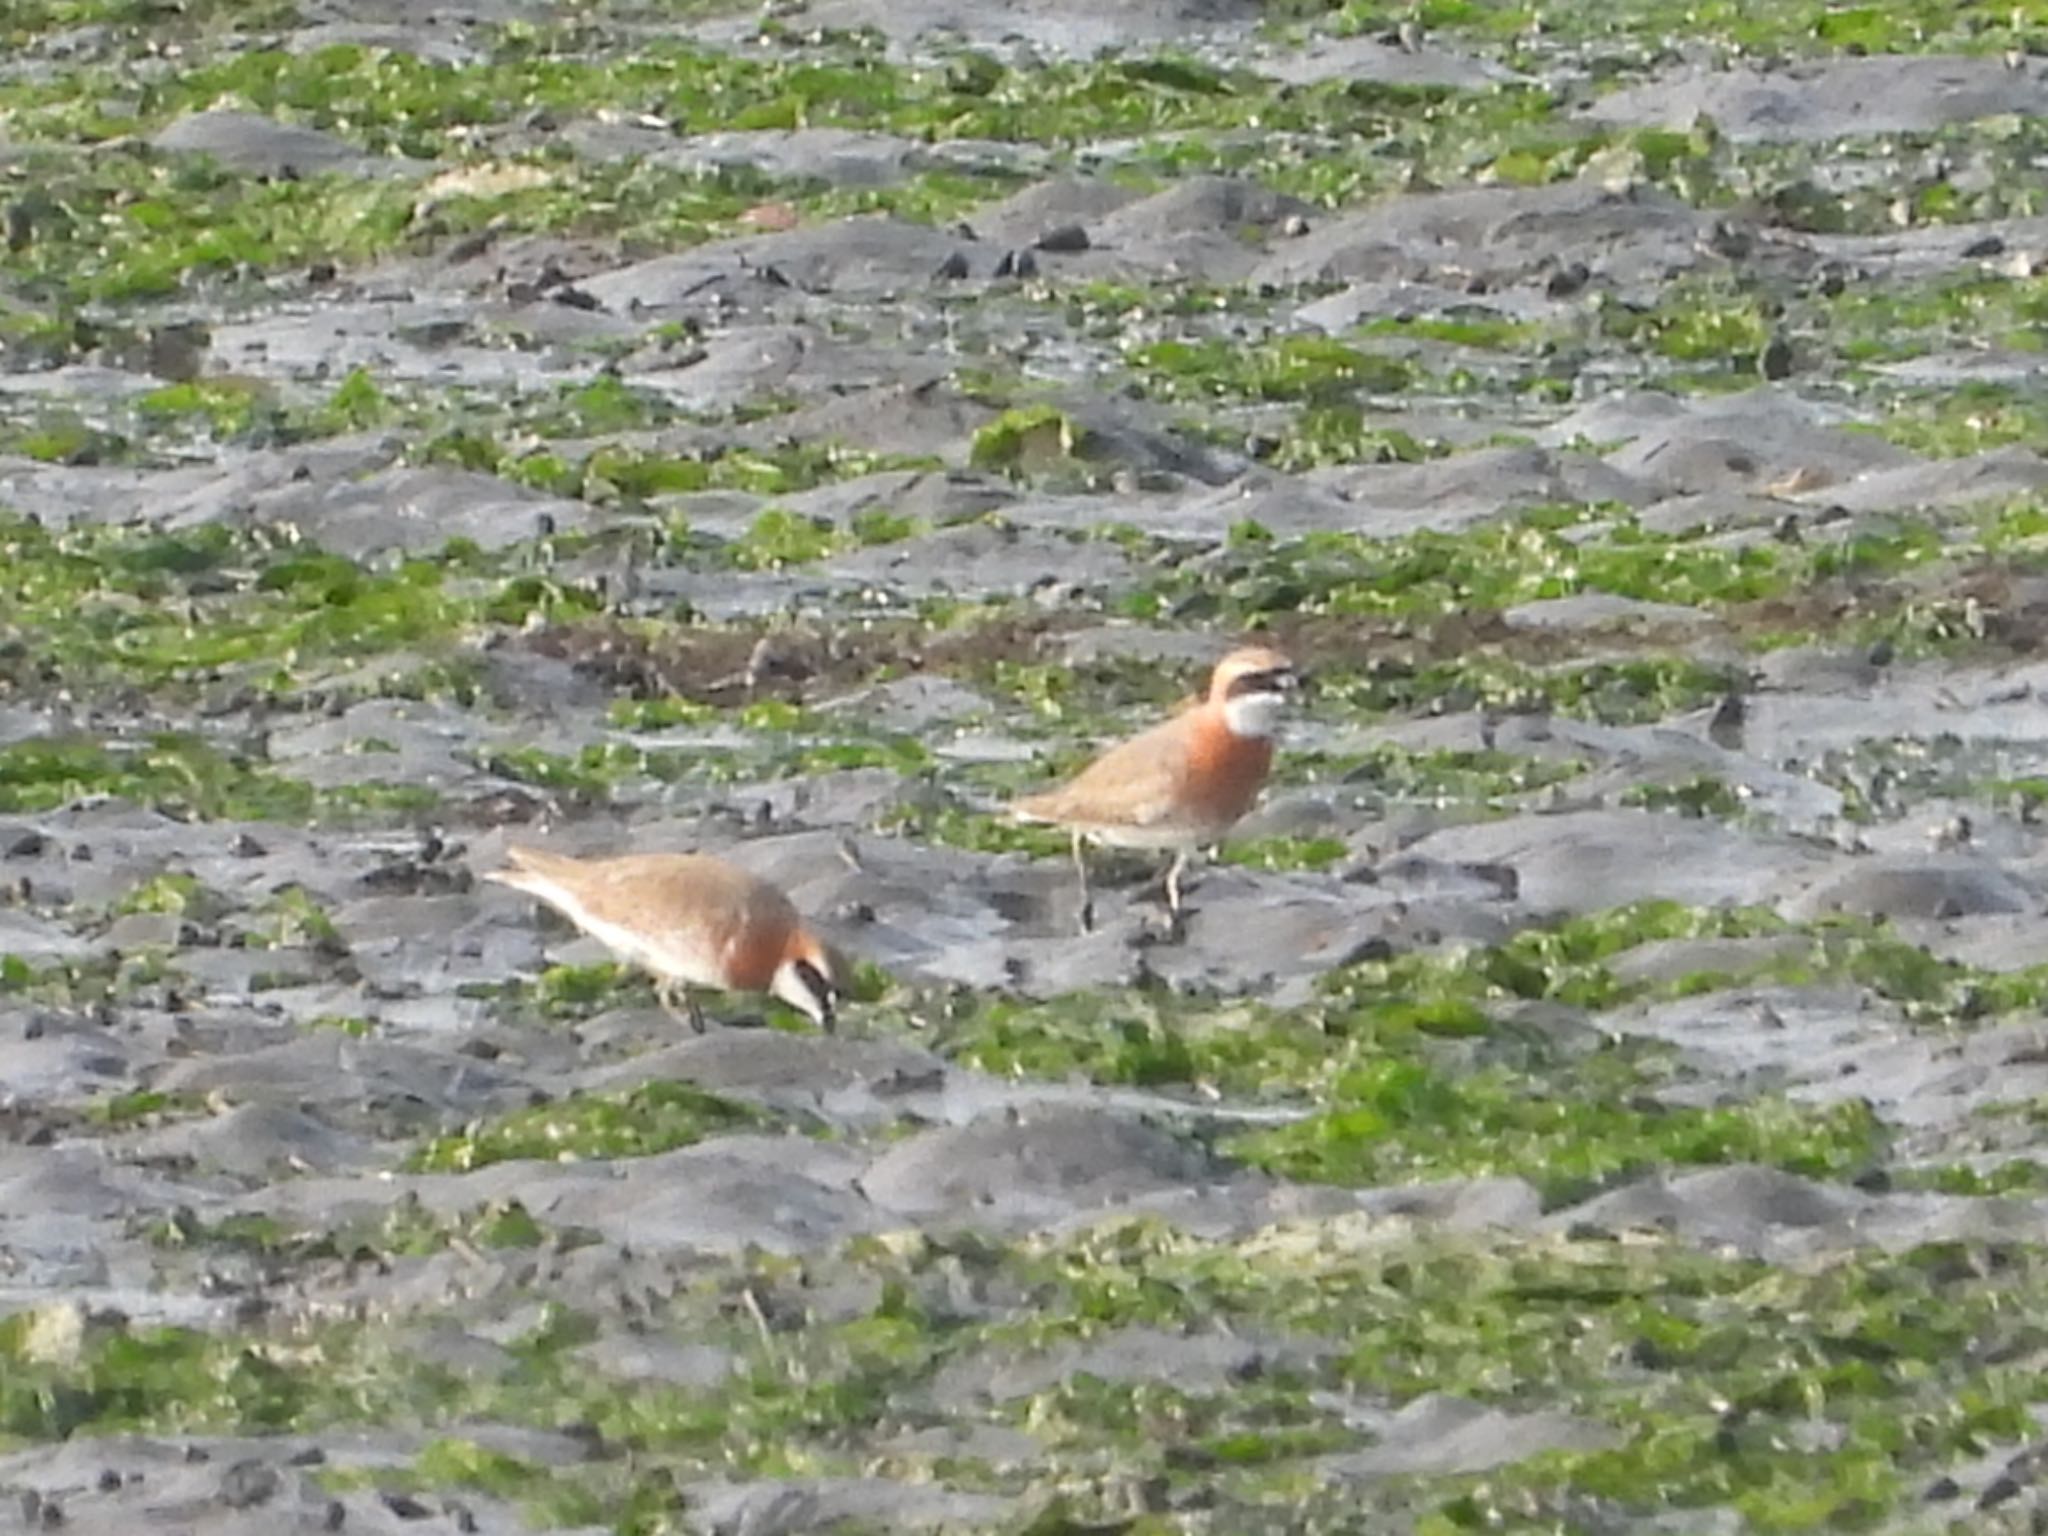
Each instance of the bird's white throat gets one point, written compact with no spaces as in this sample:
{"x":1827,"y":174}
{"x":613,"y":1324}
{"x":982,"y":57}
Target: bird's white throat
{"x":1255,"y":714}
{"x":789,"y":986}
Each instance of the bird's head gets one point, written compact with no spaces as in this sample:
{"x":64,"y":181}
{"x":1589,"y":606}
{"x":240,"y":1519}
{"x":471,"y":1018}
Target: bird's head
{"x":1254,"y":687}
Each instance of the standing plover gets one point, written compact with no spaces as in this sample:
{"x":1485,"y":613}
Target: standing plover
{"x":1183,"y":783}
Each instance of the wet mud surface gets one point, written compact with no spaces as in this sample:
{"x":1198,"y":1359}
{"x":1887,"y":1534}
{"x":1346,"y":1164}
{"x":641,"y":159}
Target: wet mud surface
{"x":1603,"y":1087}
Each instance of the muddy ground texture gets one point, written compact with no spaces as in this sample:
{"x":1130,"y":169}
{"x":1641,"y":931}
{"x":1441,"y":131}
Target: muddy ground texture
{"x":1602,"y":1089}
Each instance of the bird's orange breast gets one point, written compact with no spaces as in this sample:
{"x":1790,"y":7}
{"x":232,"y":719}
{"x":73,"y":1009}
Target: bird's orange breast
{"x":1225,"y":770}
{"x":753,"y":953}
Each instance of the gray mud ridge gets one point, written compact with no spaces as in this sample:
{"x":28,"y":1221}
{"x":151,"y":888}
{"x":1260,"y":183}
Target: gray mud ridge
{"x":293,"y":1098}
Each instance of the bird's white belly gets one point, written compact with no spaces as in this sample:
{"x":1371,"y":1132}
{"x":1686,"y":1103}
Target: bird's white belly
{"x":668,"y":957}
{"x":1160,"y":838}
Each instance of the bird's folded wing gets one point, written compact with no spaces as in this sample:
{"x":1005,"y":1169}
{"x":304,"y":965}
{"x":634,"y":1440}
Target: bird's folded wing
{"x":1135,"y":784}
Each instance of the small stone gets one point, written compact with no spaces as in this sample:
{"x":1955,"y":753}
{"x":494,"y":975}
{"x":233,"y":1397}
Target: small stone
{"x":1998,"y":1492}
{"x":247,"y":1484}
{"x":1567,"y":280}
{"x":1725,"y":729}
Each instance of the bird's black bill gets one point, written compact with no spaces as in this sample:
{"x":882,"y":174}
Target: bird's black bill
{"x":1273,"y":680}
{"x":823,"y":993}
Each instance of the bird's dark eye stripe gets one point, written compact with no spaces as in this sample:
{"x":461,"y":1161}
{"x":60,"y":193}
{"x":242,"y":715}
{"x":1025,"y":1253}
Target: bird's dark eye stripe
{"x":1270,"y":681}
{"x":815,"y":982}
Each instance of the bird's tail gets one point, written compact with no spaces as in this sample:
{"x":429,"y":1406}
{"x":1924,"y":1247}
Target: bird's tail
{"x":1036,"y":808}
{"x":530,"y":870}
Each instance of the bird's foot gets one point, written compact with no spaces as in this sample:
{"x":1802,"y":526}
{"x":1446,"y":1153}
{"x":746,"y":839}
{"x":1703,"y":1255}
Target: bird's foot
{"x":1146,"y":934}
{"x":684,"y":1010}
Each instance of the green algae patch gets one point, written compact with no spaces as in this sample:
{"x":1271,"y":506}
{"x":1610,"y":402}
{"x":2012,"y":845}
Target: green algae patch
{"x":1970,"y":418}
{"x":172,"y":894}
{"x":1283,"y":853}
{"x":136,"y":606}
{"x":1480,"y":331}
{"x":392,"y":102}
{"x":571,"y":992}
{"x":1879,"y":582}
{"x":143,"y":1106}
{"x":611,"y":473}
{"x":406,"y":1230}
{"x":1569,"y":963}
{"x":1882,"y":1371}
{"x":166,"y":222}
{"x":604,"y":771}
{"x":172,"y":220}
{"x":141,"y":28}
{"x":1699,"y":325}
{"x":294,"y":919}
{"x":1135,"y":1039}
{"x":1310,"y":369}
{"x":1416,"y":1067}
{"x":1702,"y":796}
{"x":779,"y":537}
{"x":110,"y":1379}
{"x":1399,"y":1009}
{"x":1439,"y":574}
{"x":1632,"y":691}
{"x":186,"y":775}
{"x":1030,"y":440}
{"x":1430,"y":1066}
{"x":2016,"y":1176}
{"x":958,"y":826}
{"x":1400,"y":1121}
{"x":178,"y":612}
{"x":1708,"y":1369}
{"x":1441,"y":776}
{"x":1325,"y":435}
{"x":637,"y":1122}
{"x":1631,"y":31}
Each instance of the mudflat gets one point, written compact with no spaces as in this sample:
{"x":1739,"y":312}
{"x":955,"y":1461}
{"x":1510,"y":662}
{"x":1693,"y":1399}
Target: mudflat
{"x":1602,"y":1088}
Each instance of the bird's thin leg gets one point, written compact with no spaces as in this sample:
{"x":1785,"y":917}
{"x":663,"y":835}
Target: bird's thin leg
{"x":1176,"y":915}
{"x":687,"y":1011}
{"x":1087,"y":901}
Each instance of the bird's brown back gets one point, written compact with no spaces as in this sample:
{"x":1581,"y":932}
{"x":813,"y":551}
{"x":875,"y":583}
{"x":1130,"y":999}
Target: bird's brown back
{"x":693,"y":897}
{"x":1191,"y":769}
